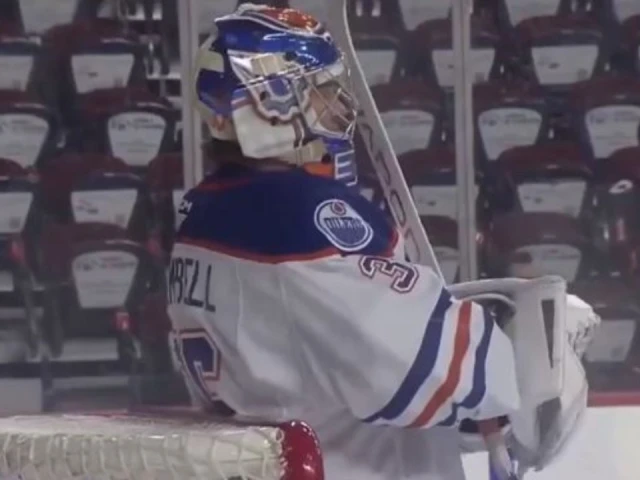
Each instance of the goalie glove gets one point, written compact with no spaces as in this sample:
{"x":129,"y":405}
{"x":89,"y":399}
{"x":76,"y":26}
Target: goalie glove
{"x":549,"y":330}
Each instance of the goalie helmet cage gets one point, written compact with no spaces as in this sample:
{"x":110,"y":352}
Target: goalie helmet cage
{"x":183,"y":447}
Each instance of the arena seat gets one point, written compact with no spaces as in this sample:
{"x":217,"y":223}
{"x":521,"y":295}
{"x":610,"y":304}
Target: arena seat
{"x":541,"y":243}
{"x":612,"y":360}
{"x":508,"y":114}
{"x":548,"y":177}
{"x":97,"y":278}
{"x":91,"y":55}
{"x":412,"y":113}
{"x":20,"y":62}
{"x":131,"y":124}
{"x":96,"y":188}
{"x":617,"y":194}
{"x":431,"y":176}
{"x":605,"y":115}
{"x":29,"y":129}
{"x":60,"y":173}
{"x":558,"y":51}
{"x":431,"y":46}
{"x":377,"y":32}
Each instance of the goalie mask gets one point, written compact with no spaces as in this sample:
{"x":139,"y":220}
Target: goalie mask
{"x":274,"y":81}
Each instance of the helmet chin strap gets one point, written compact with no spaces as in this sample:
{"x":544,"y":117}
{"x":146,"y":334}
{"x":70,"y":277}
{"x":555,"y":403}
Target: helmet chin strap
{"x":312,"y":152}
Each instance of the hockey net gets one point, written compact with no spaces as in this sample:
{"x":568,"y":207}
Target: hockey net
{"x":110,"y":447}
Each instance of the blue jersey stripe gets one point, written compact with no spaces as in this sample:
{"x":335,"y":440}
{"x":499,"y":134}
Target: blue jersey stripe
{"x":421,"y":367}
{"x":479,"y":386}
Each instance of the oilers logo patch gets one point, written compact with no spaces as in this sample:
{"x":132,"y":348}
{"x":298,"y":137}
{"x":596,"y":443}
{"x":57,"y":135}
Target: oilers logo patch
{"x":342,"y":225}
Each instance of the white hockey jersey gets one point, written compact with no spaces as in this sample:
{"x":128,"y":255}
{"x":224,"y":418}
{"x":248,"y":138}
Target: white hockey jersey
{"x":290,"y":298}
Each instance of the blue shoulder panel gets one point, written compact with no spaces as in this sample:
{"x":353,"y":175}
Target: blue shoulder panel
{"x":280,"y":216}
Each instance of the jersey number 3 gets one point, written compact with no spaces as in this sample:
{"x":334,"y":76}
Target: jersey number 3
{"x":200,"y":358}
{"x":403,"y":276}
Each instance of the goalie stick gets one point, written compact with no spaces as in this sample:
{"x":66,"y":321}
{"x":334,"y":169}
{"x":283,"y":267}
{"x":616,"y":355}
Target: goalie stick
{"x":398,"y":197}
{"x":377,"y":142}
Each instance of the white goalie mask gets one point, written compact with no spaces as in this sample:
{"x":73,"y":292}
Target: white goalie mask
{"x":274,"y":81}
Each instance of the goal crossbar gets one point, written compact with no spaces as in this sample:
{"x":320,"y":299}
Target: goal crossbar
{"x":124,"y":447}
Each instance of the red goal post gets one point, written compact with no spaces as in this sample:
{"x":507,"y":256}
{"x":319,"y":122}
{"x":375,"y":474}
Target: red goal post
{"x":145,"y":447}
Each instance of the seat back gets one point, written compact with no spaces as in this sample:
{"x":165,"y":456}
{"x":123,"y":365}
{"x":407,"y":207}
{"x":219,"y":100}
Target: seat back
{"x":120,"y":198}
{"x":534,"y":244}
{"x":508,"y":114}
{"x":28,"y":128}
{"x":91,"y":55}
{"x":605,"y":115}
{"x":61,"y":174}
{"x":549,"y":177}
{"x":412,"y":113}
{"x":131,"y":124}
{"x":21,"y":63}
{"x":558,"y":51}
{"x":432,"y":47}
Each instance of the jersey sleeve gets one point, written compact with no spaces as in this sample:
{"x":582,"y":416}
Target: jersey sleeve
{"x":389,"y":341}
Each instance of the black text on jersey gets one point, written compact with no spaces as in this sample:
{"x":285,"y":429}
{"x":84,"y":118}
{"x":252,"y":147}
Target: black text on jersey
{"x":190,"y":283}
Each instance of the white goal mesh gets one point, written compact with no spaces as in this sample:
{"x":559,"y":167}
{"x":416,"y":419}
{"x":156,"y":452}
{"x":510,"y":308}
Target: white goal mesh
{"x":82,"y":447}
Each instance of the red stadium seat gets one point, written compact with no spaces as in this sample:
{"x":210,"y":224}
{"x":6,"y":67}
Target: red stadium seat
{"x":96,"y":279}
{"x":545,"y":178}
{"x":20,"y":61}
{"x":617,"y":190}
{"x":29,"y":129}
{"x":60,"y":174}
{"x":96,"y":188}
{"x":605,"y":115}
{"x":412,"y":113}
{"x":431,"y":46}
{"x":431,"y":176}
{"x":92,"y":55}
{"x":533,"y":244}
{"x":131,"y":124}
{"x":508,"y":114}
{"x":558,"y":51}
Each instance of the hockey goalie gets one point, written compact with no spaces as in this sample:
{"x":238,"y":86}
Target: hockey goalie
{"x":290,"y":296}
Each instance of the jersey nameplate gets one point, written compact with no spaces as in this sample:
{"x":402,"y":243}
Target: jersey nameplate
{"x":190,"y":283}
{"x":342,"y":225}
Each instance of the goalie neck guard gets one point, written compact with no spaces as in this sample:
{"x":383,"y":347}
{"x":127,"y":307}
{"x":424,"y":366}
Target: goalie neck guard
{"x":274,"y":81}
